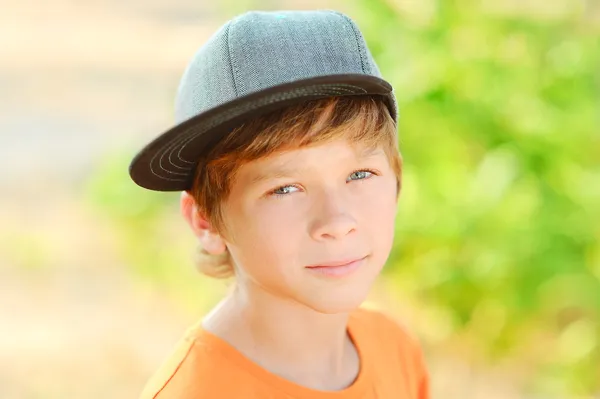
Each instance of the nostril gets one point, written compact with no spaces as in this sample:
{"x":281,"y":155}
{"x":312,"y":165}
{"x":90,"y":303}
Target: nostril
{"x":335,"y":230}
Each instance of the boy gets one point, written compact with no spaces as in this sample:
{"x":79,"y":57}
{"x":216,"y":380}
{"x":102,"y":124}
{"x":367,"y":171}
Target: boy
{"x":286,"y":155}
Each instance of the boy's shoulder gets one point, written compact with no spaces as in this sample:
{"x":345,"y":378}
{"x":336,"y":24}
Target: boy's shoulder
{"x":193,"y":359}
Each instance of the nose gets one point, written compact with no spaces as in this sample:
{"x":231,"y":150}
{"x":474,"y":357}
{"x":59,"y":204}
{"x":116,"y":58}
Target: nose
{"x":332,"y":219}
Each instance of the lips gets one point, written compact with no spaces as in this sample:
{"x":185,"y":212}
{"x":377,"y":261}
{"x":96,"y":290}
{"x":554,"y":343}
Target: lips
{"x":338,"y":268}
{"x":337,"y":263}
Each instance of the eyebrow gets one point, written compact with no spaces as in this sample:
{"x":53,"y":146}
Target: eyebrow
{"x":278,"y":173}
{"x":286,"y":172}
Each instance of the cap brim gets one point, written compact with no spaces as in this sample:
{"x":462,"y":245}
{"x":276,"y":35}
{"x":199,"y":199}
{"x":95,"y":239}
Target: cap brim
{"x":169,"y":161}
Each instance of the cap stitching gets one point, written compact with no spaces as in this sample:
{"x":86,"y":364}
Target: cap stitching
{"x":357,"y":36}
{"x":230,"y":58}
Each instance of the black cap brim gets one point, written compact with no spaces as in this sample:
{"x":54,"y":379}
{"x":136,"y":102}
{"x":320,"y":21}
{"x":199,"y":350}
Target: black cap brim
{"x":168,"y":163}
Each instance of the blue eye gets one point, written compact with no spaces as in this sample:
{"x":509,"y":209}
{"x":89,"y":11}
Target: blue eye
{"x":359,"y":175}
{"x":284,"y":190}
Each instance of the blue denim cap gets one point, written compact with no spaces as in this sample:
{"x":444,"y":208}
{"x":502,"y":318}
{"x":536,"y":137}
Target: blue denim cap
{"x":257,"y":62}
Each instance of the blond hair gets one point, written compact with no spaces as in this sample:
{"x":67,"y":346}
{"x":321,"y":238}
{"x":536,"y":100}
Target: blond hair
{"x":359,"y":119}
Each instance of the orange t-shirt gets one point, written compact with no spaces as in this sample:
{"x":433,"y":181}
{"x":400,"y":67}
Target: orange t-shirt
{"x":205,"y":366}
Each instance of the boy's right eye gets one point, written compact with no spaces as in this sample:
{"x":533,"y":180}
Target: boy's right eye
{"x":284,"y":190}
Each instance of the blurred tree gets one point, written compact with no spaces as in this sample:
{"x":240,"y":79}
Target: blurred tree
{"x":499,"y":122}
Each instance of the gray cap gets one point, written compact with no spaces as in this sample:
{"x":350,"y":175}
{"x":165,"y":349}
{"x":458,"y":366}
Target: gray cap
{"x":255,"y":63}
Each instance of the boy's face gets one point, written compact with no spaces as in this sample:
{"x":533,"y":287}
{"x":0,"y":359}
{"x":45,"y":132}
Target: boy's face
{"x":312,"y":206}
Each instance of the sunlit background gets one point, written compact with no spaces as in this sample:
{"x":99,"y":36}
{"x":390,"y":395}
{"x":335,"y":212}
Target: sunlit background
{"x":497,"y":261}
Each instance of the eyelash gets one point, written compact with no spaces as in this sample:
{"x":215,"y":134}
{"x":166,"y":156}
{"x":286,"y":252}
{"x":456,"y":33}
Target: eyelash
{"x":276,"y":195}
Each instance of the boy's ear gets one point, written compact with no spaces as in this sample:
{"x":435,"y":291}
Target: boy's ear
{"x":210,"y":240}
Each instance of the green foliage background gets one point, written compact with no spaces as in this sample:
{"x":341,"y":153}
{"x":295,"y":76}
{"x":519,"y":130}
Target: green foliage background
{"x":499,"y":130}
{"x":498,"y":232}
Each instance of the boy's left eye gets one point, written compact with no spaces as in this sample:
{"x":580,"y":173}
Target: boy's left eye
{"x":359,"y":175}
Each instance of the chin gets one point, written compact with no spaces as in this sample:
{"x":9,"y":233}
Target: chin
{"x":334,"y":301}
{"x":343,"y":297}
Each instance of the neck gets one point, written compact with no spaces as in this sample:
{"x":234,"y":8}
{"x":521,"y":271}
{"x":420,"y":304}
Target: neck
{"x":287,"y":338}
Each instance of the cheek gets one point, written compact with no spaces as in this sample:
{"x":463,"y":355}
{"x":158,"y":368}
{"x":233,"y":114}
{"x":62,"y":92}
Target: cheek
{"x":282,"y":220}
{"x":264,"y":241}
{"x":378,"y":213}
{"x":281,"y":234}
{"x":379,"y":193}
